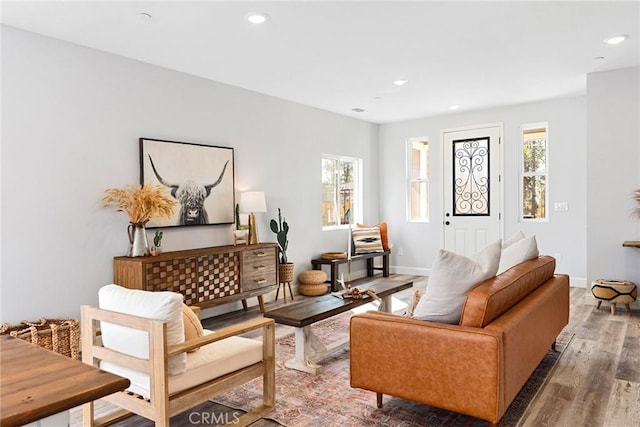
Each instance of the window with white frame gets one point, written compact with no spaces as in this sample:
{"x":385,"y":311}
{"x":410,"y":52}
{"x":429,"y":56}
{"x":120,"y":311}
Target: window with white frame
{"x":534,"y":171}
{"x":418,"y":179}
{"x":341,"y":190}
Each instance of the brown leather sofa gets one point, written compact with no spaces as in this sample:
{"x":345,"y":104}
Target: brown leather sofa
{"x":508,"y":324}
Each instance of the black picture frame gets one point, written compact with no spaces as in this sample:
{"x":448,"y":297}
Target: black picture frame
{"x":200,"y":177}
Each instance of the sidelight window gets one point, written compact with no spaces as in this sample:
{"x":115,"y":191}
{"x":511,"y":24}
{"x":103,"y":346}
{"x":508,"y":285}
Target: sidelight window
{"x":418,"y":179}
{"x":534,"y":171}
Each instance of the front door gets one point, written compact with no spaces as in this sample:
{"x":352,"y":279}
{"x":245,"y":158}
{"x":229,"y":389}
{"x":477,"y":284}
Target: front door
{"x":472,"y":187}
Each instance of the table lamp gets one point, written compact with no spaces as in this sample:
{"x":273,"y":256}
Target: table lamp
{"x":252,"y":202}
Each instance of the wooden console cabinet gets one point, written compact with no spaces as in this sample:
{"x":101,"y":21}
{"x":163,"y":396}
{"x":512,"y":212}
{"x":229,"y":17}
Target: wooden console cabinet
{"x":206,"y":276}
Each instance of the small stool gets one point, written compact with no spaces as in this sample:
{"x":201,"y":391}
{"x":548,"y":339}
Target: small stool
{"x":312,"y":283}
{"x":614,"y":291}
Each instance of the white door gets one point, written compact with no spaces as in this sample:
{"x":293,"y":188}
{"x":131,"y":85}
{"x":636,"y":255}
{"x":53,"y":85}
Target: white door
{"x":472,"y":187}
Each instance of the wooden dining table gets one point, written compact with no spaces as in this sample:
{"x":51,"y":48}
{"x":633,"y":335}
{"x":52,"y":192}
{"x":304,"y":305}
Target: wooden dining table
{"x":36,"y":383}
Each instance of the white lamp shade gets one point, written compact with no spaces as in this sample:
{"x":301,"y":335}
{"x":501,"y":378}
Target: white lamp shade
{"x":253,"y":201}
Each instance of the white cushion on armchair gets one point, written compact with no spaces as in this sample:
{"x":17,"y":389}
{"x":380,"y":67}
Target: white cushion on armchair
{"x":211,"y":361}
{"x":166,"y":306}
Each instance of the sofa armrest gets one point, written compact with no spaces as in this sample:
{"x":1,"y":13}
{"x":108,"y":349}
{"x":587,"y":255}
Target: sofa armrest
{"x":449,"y":366}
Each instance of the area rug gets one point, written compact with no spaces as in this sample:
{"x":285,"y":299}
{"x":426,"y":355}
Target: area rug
{"x":327,"y":399}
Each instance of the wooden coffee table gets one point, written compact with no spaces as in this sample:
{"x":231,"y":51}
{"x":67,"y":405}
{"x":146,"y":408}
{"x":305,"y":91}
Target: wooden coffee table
{"x":303,"y":314}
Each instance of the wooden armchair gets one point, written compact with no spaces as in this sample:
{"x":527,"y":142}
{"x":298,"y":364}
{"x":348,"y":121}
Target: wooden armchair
{"x":155,"y":393}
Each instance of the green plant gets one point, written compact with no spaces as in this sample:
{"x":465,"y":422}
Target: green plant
{"x":157,"y":238}
{"x":281,"y":228}
{"x":237,"y":216}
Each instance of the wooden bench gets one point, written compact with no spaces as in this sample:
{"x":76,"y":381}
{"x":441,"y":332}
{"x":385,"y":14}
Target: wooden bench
{"x":334,"y":263}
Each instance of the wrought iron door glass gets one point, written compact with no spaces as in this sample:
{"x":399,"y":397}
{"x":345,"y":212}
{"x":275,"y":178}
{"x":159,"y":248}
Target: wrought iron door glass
{"x":471,"y":179}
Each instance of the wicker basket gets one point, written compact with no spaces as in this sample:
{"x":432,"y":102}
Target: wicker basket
{"x":285,"y":272}
{"x":58,"y":335}
{"x":334,"y":255}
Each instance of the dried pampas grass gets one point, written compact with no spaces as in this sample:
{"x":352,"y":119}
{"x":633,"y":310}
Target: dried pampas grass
{"x":140,"y":202}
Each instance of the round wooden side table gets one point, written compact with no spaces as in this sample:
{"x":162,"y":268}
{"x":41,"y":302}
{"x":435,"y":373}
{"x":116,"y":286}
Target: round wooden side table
{"x":615,"y":292}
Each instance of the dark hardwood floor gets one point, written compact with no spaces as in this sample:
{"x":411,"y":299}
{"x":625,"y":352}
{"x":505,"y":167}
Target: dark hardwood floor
{"x":595,"y":383}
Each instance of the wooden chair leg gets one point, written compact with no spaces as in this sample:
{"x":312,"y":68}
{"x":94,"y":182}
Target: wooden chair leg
{"x":88,"y":415}
{"x":598,"y":304}
{"x":613,"y":308}
{"x":379,"y":400}
{"x":626,"y":305}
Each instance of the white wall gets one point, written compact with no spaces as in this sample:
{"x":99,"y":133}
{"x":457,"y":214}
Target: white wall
{"x":562,"y":236}
{"x":613,"y":162}
{"x":71,"y":121}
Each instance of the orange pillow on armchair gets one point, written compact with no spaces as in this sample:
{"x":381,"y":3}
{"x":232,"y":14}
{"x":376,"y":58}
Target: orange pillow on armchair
{"x":383,"y":233}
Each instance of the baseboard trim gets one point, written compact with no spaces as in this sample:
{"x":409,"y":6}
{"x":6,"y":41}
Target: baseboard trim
{"x":397,"y":269}
{"x":578,"y":282}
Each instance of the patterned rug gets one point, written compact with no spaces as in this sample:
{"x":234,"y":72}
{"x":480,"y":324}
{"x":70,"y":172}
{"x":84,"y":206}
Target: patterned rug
{"x":327,"y":399}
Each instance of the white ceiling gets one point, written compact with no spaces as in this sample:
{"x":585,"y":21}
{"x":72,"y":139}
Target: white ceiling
{"x":342,"y":55}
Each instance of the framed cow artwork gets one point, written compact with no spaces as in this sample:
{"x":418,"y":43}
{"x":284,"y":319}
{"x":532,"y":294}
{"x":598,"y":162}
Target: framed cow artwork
{"x":198,"y":176}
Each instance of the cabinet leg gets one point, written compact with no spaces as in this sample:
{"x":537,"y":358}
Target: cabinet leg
{"x":244,"y":304}
{"x":261,"y":303}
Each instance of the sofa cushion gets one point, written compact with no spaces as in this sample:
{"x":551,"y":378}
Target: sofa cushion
{"x":451,"y":278}
{"x":367,"y":240}
{"x":166,"y":306}
{"x":384,"y":234}
{"x":515,"y":252}
{"x":495,"y":296}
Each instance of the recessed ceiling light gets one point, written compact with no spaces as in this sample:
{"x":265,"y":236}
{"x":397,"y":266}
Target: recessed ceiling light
{"x":616,"y":39}
{"x":400,"y":82}
{"x":358,"y":110}
{"x":257,"y":18}
{"x":454,"y":107}
{"x":144,"y":16}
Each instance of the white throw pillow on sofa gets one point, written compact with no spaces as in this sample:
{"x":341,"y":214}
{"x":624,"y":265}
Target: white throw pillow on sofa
{"x":452,"y":276}
{"x":165,"y":306}
{"x":519,"y":251}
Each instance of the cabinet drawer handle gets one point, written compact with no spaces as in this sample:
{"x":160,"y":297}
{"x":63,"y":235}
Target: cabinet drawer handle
{"x":260,"y":267}
{"x":261,"y":253}
{"x":261,"y":281}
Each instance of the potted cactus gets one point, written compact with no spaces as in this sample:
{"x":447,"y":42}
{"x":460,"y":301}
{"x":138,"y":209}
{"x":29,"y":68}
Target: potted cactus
{"x":157,"y":243}
{"x":281,"y":229}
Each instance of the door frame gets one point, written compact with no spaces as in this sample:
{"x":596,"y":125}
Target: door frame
{"x":500,"y":126}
